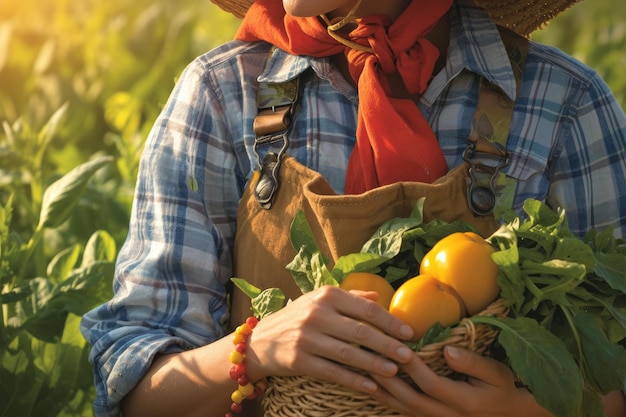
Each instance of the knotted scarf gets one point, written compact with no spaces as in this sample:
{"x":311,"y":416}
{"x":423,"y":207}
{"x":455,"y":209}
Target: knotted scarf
{"x":394,"y":141}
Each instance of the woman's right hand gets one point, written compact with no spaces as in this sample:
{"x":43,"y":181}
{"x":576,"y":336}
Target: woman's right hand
{"x":324,"y":329}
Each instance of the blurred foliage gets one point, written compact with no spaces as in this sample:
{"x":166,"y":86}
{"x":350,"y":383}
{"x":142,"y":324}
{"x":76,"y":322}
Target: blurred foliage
{"x":81,"y":83}
{"x":593,"y":31}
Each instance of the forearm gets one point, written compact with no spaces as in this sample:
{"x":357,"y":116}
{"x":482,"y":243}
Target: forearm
{"x":188,"y":384}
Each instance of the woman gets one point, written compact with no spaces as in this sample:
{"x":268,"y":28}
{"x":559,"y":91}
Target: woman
{"x":158,"y":345}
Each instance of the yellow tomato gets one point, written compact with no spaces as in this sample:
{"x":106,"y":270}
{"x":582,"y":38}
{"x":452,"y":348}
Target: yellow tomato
{"x":463,"y":261}
{"x":423,"y":301}
{"x":365,"y":281}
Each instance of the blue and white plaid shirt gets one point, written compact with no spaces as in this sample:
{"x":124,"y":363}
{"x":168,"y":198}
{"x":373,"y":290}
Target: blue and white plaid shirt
{"x":567,"y":142}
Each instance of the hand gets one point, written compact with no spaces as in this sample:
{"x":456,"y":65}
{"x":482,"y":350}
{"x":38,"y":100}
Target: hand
{"x":321,"y":331}
{"x":490,"y":390}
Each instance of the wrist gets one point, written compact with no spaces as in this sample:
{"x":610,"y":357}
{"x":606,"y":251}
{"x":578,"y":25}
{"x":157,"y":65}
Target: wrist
{"x":256,"y":366}
{"x":246,"y":389}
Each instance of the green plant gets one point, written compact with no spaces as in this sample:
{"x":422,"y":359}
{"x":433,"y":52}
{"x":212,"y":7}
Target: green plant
{"x":43,"y":359}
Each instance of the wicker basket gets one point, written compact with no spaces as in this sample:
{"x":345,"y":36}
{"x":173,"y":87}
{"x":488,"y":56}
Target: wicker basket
{"x":299,"y":396}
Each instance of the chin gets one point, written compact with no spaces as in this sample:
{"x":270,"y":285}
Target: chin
{"x":310,"y":8}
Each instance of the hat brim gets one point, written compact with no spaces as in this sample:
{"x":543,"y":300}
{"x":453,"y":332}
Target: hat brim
{"x":523,"y":17}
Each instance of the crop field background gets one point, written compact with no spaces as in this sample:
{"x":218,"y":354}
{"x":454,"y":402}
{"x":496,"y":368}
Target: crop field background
{"x":81,"y":83}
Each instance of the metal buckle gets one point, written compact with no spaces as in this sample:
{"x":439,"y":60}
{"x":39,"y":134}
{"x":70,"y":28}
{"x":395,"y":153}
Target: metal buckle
{"x":484,"y":170}
{"x":268,"y":180}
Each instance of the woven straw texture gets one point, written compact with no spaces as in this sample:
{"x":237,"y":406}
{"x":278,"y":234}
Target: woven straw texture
{"x":306,"y":397}
{"x":522,"y":17}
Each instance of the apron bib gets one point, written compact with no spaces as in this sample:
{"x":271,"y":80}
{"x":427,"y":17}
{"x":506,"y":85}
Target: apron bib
{"x":341,"y":224}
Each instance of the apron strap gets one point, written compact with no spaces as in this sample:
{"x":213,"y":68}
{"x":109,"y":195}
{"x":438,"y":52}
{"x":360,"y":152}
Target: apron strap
{"x":486,"y":151}
{"x":275,"y":102}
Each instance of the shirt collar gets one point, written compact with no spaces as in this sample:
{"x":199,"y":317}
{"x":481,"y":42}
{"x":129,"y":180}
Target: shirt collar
{"x":282,"y":67}
{"x":476,"y":46}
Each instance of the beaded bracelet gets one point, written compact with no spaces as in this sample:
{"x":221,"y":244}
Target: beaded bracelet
{"x":245,"y":388}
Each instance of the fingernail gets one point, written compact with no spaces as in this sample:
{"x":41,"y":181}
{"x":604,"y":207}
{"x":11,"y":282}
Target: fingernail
{"x":389,"y":368}
{"x":406,"y":331}
{"x":369,"y":386}
{"x":404,"y":353}
{"x":453,"y":353}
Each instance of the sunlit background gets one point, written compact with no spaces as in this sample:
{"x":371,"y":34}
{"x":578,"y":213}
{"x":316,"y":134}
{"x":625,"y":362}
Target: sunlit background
{"x":83,"y":79}
{"x":114,"y":62}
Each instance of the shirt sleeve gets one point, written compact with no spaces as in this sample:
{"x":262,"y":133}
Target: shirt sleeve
{"x":589,"y":176}
{"x":171,"y":273}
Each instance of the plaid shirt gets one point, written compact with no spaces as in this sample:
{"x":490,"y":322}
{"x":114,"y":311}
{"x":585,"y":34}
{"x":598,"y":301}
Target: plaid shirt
{"x":567,"y":146}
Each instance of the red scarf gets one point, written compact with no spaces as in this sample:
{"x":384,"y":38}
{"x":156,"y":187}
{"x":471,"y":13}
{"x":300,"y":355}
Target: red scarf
{"x":394,"y":141}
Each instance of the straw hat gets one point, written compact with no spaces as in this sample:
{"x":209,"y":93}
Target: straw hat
{"x":520,"y":16}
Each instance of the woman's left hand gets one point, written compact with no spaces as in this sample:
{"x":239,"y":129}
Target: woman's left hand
{"x":489,"y":390}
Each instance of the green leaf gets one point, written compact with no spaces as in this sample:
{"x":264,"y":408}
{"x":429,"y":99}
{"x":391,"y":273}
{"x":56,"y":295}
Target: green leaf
{"x":604,"y":362}
{"x":300,"y":269}
{"x":16,"y":294}
{"x":356,"y":262}
{"x":593,"y":299}
{"x":263,"y":303}
{"x":593,"y":405}
{"x":267,"y":302}
{"x":47,"y":324}
{"x":387,"y":240}
{"x":540,"y":214}
{"x":20,"y":384}
{"x":510,"y":277}
{"x":542,"y":362}
{"x":86,"y":287}
{"x":602,"y":241}
{"x":62,"y":264}
{"x":320,"y":275}
{"x":44,"y":316}
{"x":51,"y":128}
{"x":100,"y":247}
{"x":301,"y":235}
{"x":436,"y":334}
{"x":247,"y":288}
{"x":554,"y":278}
{"x":61,"y":197}
{"x":572,"y":249}
{"x":612,"y":267}
{"x":63,"y":369}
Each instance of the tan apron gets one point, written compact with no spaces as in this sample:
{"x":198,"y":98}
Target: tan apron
{"x":341,"y":224}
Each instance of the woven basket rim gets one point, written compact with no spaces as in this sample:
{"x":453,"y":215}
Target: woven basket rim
{"x":292,"y":396}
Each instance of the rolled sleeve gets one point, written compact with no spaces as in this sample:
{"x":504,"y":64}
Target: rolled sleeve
{"x":172,"y":271}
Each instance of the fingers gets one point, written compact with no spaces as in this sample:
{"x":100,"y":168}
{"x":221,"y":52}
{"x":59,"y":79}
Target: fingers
{"x":322,"y":331}
{"x":362,"y":321}
{"x":339,"y":374}
{"x":352,"y":355}
{"x":479,"y":368}
{"x":360,"y":306}
{"x":400,"y":396}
